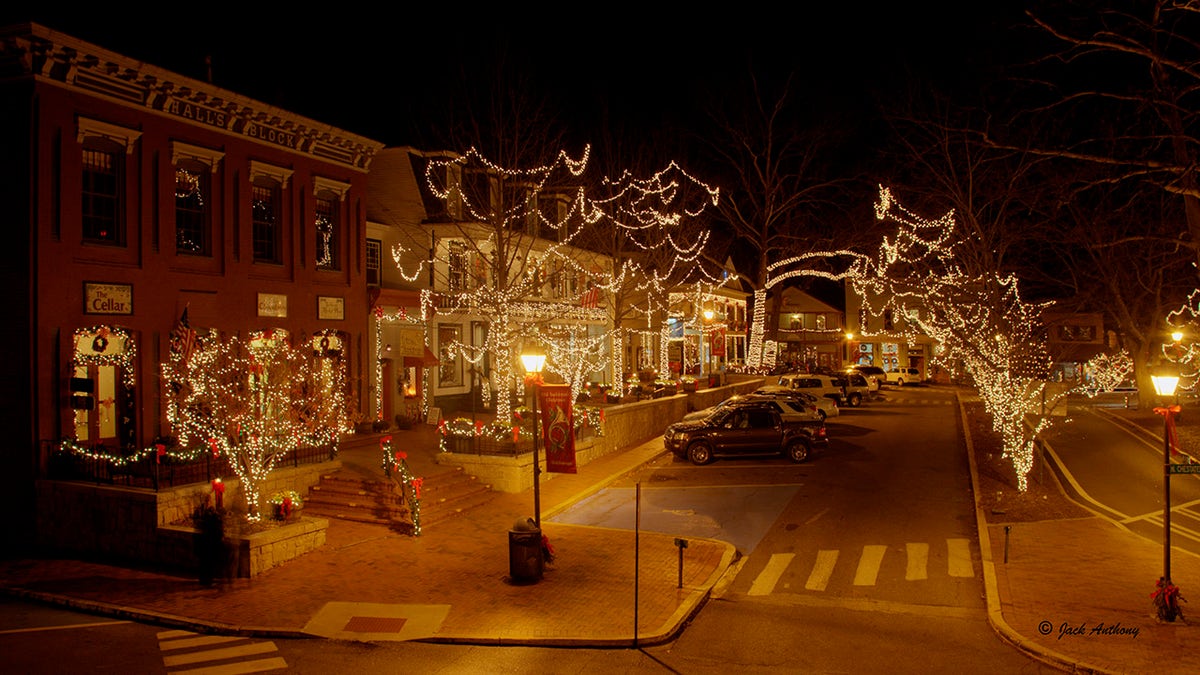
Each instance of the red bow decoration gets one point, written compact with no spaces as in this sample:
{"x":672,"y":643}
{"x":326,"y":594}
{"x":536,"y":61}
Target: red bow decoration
{"x":479,"y":428}
{"x":379,"y":312}
{"x":442,"y":426}
{"x":401,"y":456}
{"x":286,"y":507}
{"x":159,"y":451}
{"x":1172,"y":437}
{"x":516,"y":434}
{"x":212,"y":443}
{"x":384,"y":441}
{"x":219,"y":489}
{"x":416,"y":483}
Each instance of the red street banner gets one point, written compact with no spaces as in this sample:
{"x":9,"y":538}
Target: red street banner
{"x":558,"y":427}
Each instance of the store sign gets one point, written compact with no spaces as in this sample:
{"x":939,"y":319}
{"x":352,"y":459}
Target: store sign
{"x":107,"y":298}
{"x":272,"y":304}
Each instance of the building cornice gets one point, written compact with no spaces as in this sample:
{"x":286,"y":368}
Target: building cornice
{"x":32,"y":50}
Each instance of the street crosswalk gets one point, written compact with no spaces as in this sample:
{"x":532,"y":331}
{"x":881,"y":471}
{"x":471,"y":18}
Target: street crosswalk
{"x":867,"y":567}
{"x":188,"y":653}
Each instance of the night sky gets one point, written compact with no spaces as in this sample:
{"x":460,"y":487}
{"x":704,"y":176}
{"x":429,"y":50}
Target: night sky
{"x":389,"y":74}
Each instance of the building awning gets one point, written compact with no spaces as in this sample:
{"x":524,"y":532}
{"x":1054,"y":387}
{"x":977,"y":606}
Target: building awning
{"x":429,"y":360}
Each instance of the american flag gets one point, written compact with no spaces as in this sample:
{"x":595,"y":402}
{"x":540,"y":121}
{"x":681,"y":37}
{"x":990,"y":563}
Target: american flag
{"x":183,"y":338}
{"x":590,"y":298}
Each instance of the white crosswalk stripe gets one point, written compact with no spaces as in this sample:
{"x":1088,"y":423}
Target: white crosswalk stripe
{"x":869,"y":563}
{"x":188,"y":653}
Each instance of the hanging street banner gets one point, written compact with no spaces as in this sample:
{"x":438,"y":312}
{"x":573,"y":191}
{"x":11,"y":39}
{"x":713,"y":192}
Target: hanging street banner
{"x":558,"y":427}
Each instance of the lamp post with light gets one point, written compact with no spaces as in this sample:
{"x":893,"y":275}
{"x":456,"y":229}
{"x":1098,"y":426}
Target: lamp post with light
{"x":1165,"y":383}
{"x":534,"y":362}
{"x":849,"y":341}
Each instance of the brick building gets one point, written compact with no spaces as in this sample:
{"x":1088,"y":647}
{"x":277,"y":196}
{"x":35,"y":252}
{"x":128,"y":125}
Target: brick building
{"x":135,"y":193}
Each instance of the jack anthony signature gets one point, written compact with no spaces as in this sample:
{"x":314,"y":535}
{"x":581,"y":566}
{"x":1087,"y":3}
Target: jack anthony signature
{"x":1066,"y":629}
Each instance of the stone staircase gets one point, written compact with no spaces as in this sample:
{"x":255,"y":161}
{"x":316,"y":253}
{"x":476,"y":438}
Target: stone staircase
{"x":347,"y":495}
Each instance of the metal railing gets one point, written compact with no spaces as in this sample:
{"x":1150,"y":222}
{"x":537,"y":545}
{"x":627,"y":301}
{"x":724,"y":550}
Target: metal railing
{"x":105,"y":465}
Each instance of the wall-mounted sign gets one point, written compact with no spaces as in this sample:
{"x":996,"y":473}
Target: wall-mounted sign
{"x":330,"y":308}
{"x":101,"y":298}
{"x":272,"y":304}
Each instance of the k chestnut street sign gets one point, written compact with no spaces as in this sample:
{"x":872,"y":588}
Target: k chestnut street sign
{"x":1184,"y":468}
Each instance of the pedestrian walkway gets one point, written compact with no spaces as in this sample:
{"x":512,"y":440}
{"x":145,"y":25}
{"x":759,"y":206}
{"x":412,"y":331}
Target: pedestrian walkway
{"x":1074,"y":593}
{"x":451,"y":584}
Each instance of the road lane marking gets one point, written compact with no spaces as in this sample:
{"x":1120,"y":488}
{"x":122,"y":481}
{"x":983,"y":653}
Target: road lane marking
{"x":259,"y":666}
{"x":868,"y":565}
{"x":960,"y":558}
{"x":38,"y":629}
{"x":918,"y":562}
{"x":818,"y":579}
{"x":195,"y":641}
{"x":820,"y":513}
{"x":251,"y":649}
{"x":765,"y":582}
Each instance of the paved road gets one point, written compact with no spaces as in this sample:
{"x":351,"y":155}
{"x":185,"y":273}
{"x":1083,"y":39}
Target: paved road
{"x":1118,"y":472}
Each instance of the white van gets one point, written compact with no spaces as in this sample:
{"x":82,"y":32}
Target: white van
{"x":902,"y":376}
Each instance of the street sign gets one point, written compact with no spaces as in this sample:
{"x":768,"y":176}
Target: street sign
{"x":1183,"y":468}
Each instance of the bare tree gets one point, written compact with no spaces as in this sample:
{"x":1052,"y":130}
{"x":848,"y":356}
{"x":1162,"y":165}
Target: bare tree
{"x":1126,"y":76}
{"x":781,"y":198}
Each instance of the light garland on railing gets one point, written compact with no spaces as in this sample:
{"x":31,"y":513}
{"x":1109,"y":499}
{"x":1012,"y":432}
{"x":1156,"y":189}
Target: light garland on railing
{"x":397,"y":462}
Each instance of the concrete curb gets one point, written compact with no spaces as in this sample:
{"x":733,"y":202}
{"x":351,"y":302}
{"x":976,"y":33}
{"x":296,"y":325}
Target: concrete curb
{"x":991,"y":588}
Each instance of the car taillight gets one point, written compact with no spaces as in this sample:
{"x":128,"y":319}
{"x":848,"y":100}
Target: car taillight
{"x":821,"y":433}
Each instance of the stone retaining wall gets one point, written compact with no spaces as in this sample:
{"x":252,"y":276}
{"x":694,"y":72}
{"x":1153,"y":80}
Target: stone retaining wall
{"x":625,"y":425}
{"x":140,"y":525}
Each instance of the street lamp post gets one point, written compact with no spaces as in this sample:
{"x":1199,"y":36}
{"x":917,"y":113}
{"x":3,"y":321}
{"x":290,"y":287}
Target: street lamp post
{"x":1164,"y":386}
{"x":533,"y":362}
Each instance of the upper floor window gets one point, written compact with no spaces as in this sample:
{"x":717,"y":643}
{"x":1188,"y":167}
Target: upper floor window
{"x":102,"y":184}
{"x":193,"y":229}
{"x":102,"y":223}
{"x":264,"y":210}
{"x":374,"y":262}
{"x":267,"y":183}
{"x":194,"y":168}
{"x":326,"y":224}
{"x":458,"y":267}
{"x":327,"y":235}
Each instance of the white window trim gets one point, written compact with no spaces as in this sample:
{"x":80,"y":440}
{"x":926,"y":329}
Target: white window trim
{"x":90,"y":128}
{"x":269,"y":171}
{"x":329,"y":185}
{"x":182,"y":151}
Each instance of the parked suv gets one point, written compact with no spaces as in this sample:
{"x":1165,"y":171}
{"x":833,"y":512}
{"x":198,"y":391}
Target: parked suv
{"x":902,"y":376}
{"x":790,"y":408}
{"x":818,"y":385}
{"x":855,"y":388}
{"x":875,"y":375}
{"x":743,"y":429}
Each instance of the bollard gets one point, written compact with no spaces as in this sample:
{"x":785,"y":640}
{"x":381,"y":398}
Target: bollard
{"x":682,"y":544}
{"x":1007,"y":528}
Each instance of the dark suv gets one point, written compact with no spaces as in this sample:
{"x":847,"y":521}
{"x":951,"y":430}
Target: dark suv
{"x":743,"y":429}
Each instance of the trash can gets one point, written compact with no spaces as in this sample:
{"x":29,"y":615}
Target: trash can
{"x":525,"y":561}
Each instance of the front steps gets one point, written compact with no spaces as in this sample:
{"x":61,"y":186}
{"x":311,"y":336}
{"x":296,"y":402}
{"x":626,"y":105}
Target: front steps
{"x":348,"y":496}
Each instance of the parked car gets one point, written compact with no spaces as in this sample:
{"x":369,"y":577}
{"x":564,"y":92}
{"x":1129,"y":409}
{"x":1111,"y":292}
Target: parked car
{"x":855,"y":388}
{"x":902,"y":376}
{"x":821,"y":386}
{"x":875,"y":375}
{"x":826,"y":407}
{"x":743,"y":429}
{"x":790,"y":408}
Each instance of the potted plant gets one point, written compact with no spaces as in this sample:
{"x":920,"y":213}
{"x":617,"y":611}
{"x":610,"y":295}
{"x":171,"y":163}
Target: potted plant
{"x":285,"y":505}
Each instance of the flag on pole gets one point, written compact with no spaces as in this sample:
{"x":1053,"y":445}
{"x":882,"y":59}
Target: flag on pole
{"x":183,"y":338}
{"x":590,"y":298}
